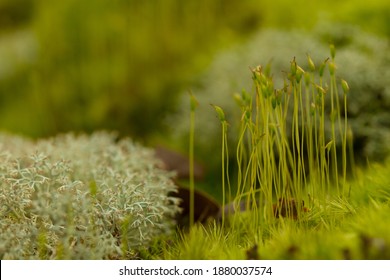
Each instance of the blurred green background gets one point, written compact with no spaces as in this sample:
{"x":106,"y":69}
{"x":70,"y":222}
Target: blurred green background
{"x":121,"y":65}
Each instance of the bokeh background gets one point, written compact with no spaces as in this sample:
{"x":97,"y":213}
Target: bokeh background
{"x":121,"y":65}
{"x":117,"y":65}
{"x":126,"y":65}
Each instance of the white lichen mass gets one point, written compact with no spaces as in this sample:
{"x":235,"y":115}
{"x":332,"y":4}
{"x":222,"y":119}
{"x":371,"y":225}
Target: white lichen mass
{"x":81,"y":197}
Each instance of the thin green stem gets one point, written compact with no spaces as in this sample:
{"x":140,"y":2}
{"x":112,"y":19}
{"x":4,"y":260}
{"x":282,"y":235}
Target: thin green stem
{"x":193,"y":105}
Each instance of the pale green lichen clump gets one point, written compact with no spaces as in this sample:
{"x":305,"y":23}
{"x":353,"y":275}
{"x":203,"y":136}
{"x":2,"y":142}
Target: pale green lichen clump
{"x":80,"y":197}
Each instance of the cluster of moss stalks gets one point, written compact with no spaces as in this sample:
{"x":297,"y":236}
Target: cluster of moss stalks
{"x":297,"y":160}
{"x":295,"y":176}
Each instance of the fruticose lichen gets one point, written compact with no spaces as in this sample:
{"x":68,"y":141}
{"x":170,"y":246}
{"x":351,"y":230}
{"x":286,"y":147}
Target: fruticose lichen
{"x":81,"y":197}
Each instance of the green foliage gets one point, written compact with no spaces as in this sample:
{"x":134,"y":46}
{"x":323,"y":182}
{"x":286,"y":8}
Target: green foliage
{"x":81,"y":197}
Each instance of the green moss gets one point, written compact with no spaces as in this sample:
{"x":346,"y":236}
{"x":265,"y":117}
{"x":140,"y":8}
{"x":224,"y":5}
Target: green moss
{"x":284,"y":151}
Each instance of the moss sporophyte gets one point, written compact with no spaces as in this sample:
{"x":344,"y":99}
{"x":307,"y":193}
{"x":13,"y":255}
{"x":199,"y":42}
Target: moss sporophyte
{"x":280,"y":162}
